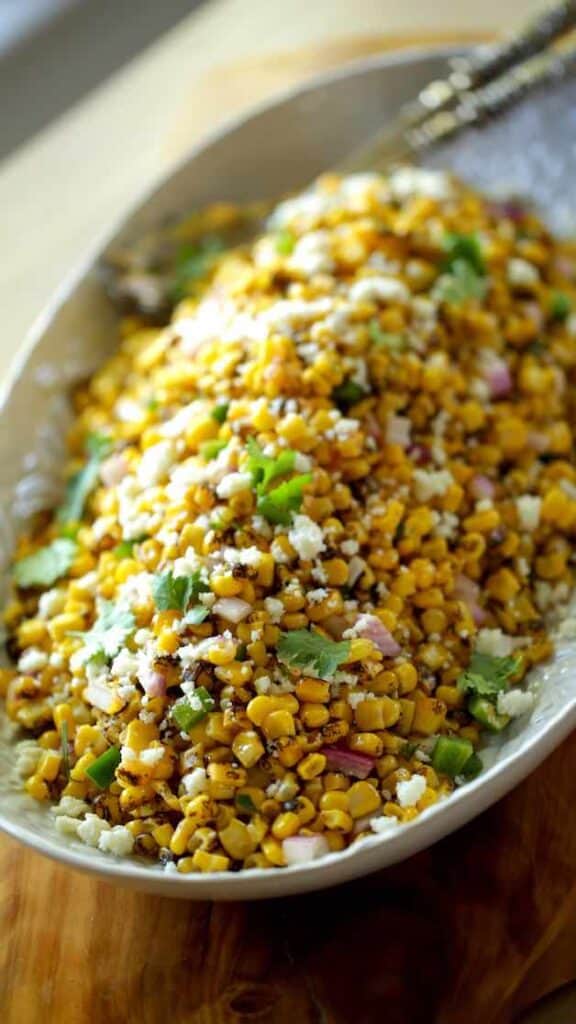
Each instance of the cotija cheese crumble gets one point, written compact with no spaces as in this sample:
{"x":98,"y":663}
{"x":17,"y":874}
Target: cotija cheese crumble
{"x":313,"y":528}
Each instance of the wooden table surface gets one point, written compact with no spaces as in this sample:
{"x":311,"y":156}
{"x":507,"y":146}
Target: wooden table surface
{"x":476,"y":929}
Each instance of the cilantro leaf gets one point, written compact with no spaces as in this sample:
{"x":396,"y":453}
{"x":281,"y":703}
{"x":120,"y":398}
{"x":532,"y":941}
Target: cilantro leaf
{"x":348,"y":393}
{"x":46,"y":565}
{"x":265,"y":468}
{"x":312,"y":652}
{"x":174,"y":593}
{"x":125,"y":549}
{"x":278,"y":505}
{"x":285,"y":242}
{"x":464,"y":248}
{"x":196,"y":615}
{"x":111,"y":629}
{"x":395,"y":342}
{"x":487,"y":675}
{"x":82,"y":483}
{"x":462,"y":283}
{"x":210,"y":449}
{"x":194,"y":261}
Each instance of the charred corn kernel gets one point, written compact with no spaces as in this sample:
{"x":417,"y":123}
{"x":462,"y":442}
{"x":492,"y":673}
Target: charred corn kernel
{"x":227,"y":775}
{"x":226,"y":586}
{"x":290,"y":751}
{"x":209,"y":862}
{"x":216,"y":729}
{"x":278,"y":723}
{"x":377,"y":714}
{"x":407,"y":711}
{"x":311,"y":766}
{"x":363,"y":799}
{"x":313,"y":691}
{"x":49,"y":765}
{"x":367,"y":743}
{"x":272,"y":850}
{"x":335,"y":800}
{"x":36,"y":787}
{"x":313,"y":716}
{"x":248,"y":748}
{"x":337,"y":821}
{"x":162,"y":834}
{"x":237,"y":839}
{"x":287,"y":824}
{"x":429,"y":714}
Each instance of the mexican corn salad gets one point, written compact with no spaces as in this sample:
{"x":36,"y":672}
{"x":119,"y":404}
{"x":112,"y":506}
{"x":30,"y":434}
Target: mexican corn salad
{"x":313,"y":529}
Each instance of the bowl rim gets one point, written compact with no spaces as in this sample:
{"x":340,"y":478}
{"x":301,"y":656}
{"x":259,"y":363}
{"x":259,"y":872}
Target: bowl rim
{"x":433,"y":823}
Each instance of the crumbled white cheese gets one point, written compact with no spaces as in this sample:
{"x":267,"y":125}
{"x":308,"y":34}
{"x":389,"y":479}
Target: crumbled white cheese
{"x":118,"y":841}
{"x":28,"y":753}
{"x":275,"y":608}
{"x":522,"y":274}
{"x":515,"y":703}
{"x":384,"y":824}
{"x":529,"y":507}
{"x":71,"y":806}
{"x":349,"y":547}
{"x":155,"y":463}
{"x":410,"y":791}
{"x":234,"y":483}
{"x":418,"y":181}
{"x":494,"y":642}
{"x":195,"y":782}
{"x":286,"y":314}
{"x":263,"y":684}
{"x":431,"y":484}
{"x":66,"y":825}
{"x":32,"y":660}
{"x":316,"y":596}
{"x":311,"y":254}
{"x":51,"y":603}
{"x":306,"y":538}
{"x":91,"y":828}
{"x":379,"y":289}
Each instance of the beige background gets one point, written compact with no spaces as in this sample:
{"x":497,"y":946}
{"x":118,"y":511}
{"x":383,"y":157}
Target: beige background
{"x":61,"y":190}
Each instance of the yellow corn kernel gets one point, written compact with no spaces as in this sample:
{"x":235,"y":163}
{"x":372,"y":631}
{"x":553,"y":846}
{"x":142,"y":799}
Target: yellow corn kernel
{"x":266,"y":570}
{"x":305,"y":810}
{"x":367,"y":743}
{"x":558,"y":508}
{"x":182,"y":833}
{"x":287,"y":824}
{"x":434,"y":620}
{"x":168,"y":642}
{"x":377,"y":714}
{"x":61,"y":625}
{"x":227,"y":775}
{"x":502,"y":585}
{"x":237,"y":839}
{"x":336,"y":570}
{"x":361,"y":650}
{"x":272,"y":850}
{"x":335,"y":841}
{"x":78,"y":772}
{"x":50,"y":740}
{"x":248,"y":748}
{"x":407,"y":711}
{"x":77,"y":789}
{"x":63,"y":713}
{"x":363,"y":799}
{"x":32,"y":633}
{"x":226,"y":586}
{"x":208,"y":862}
{"x":222,"y":651}
{"x":336,"y":781}
{"x":386,"y":765}
{"x":162,"y":834}
{"x":261,"y":706}
{"x":140,"y":735}
{"x":451,"y":696}
{"x":311,"y":766}
{"x":334,"y":800}
{"x":36,"y":787}
{"x":337,"y":821}
{"x":49,"y":765}
{"x":126,"y":568}
{"x":216,"y":729}
{"x":551,"y":566}
{"x":341,"y":709}
{"x":429,"y":714}
{"x":278,"y":723}
{"x":313,"y":691}
{"x":313,"y":716}
{"x":290,"y":751}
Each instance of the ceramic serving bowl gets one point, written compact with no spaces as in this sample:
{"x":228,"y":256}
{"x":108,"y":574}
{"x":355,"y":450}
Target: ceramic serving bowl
{"x":277,"y":148}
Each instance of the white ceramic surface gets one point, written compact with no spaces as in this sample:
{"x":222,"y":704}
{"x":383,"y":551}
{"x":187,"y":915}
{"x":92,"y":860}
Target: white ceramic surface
{"x":277,"y":148}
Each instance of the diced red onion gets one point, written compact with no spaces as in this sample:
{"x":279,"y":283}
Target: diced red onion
{"x":398,"y":430}
{"x":498,"y":378}
{"x":302,"y":849}
{"x":153,"y":683}
{"x":233,"y":609}
{"x":420,"y":454}
{"x":371,"y":628}
{"x":482,"y":487}
{"x":359,"y":766}
{"x":468,"y":591}
{"x":113,"y":470}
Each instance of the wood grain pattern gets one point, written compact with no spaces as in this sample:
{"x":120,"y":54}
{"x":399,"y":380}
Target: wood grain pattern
{"x":475,"y":929}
